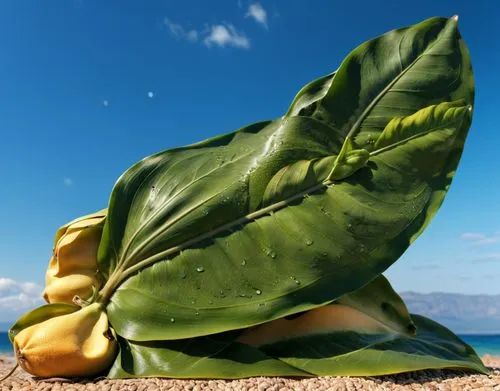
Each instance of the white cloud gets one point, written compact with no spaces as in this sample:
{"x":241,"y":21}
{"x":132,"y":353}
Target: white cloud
{"x":472,"y":236}
{"x":257,"y":13}
{"x":151,"y":94}
{"x":16,"y":296}
{"x":226,"y":35}
{"x":192,"y":35}
{"x":480,"y":238}
{"x":180,"y":32}
{"x":222,"y":34}
{"x":68,"y":182}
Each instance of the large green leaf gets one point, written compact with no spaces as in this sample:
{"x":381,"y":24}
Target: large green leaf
{"x":350,"y":353}
{"x":203,"y":357}
{"x":337,"y":353}
{"x":221,"y":355}
{"x":284,"y":216}
{"x":375,"y":341}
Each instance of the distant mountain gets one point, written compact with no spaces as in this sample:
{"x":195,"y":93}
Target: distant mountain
{"x":463,"y":314}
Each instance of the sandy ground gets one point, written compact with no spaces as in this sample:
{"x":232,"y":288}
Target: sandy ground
{"x":423,"y":380}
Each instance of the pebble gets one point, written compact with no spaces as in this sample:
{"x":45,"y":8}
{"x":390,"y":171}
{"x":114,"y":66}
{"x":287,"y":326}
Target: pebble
{"x":440,"y":380}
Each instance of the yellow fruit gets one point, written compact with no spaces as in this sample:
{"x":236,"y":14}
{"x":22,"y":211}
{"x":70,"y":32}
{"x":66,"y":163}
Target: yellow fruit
{"x":64,"y":289}
{"x":73,"y":267}
{"x":79,"y":344}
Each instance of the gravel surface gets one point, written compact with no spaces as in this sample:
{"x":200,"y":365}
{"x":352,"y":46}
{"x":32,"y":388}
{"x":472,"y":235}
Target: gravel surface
{"x":423,"y":380}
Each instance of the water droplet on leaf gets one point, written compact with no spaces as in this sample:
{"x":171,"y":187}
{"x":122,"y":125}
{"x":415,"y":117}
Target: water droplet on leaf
{"x":172,"y":320}
{"x":258,"y":291}
{"x":200,"y":269}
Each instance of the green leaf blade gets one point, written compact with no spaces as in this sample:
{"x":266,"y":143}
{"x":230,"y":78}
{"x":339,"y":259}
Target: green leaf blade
{"x":199,"y":358}
{"x":353,"y":354}
{"x":248,"y":227}
{"x":382,"y":79}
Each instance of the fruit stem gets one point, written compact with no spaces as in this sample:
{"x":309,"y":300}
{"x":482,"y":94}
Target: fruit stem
{"x":10,"y":373}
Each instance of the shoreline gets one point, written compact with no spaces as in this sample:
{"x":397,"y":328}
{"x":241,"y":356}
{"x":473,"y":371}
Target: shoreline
{"x":424,"y":380}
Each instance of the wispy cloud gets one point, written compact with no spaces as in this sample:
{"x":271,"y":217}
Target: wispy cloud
{"x":480,"y":239}
{"x":226,"y":35}
{"x":68,"y":182}
{"x":488,"y":257}
{"x":180,"y":32}
{"x":472,"y":236}
{"x":257,"y":13}
{"x":15,"y":296}
{"x":430,"y":266}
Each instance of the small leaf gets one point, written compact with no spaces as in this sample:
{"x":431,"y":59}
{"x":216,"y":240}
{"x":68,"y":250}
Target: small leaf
{"x":348,"y":161}
{"x":424,"y":121}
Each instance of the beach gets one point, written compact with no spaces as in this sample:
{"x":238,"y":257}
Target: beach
{"x":442,"y":380}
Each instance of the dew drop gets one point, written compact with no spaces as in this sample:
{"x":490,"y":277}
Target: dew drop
{"x":197,"y":313}
{"x":309,"y":242}
{"x":258,"y":291}
{"x":243,"y":262}
{"x":349,"y":225}
{"x":273,"y":255}
{"x":297,"y":282}
{"x":200,"y":269}
{"x":172,"y":320}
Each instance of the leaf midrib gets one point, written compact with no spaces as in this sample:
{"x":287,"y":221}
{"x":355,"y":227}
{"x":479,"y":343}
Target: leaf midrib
{"x":370,"y":106}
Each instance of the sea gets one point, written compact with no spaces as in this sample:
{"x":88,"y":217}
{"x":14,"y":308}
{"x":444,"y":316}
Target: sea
{"x":483,"y":344}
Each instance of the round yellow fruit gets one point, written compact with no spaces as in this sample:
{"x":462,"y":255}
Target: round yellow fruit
{"x":79,"y":344}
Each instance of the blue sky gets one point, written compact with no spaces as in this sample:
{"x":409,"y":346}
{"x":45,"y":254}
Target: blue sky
{"x":90,"y":87}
